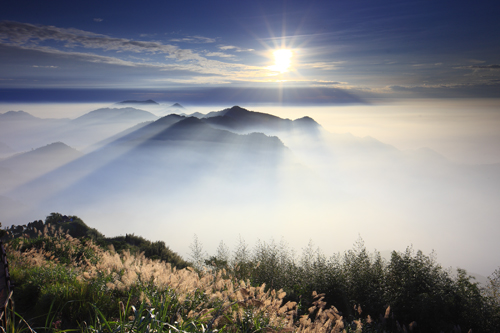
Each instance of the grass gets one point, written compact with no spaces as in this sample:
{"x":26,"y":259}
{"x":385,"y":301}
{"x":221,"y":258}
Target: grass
{"x":69,"y":284}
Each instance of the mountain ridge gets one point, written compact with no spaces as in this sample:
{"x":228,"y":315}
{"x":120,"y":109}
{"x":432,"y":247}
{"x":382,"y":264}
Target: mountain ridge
{"x":17,"y":115}
{"x":149,"y":101}
{"x":115,"y":115}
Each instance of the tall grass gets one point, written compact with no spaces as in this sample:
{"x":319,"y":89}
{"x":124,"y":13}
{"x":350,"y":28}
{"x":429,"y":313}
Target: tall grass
{"x":69,"y":284}
{"x":416,"y":288}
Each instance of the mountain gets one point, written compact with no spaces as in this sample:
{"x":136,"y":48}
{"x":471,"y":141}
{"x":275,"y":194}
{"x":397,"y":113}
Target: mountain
{"x":162,"y":158}
{"x":23,"y":167}
{"x":148,"y":102}
{"x":242,"y":120}
{"x":42,"y":159}
{"x":114,"y":115}
{"x":245,"y":170}
{"x":181,"y":128}
{"x":22,"y":131}
{"x":16,"y":116}
{"x":194,"y":129}
{"x":194,"y":114}
{"x":176,"y":106}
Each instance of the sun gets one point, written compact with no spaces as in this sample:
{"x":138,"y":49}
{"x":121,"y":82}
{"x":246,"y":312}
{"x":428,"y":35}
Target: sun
{"x":282,"y":60}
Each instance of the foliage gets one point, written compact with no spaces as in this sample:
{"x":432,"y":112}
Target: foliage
{"x":66,"y":283}
{"x":55,"y":224}
{"x":363,"y":286}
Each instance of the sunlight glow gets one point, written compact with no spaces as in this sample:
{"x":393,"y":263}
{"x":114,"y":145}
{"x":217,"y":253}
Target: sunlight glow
{"x":282,"y":60}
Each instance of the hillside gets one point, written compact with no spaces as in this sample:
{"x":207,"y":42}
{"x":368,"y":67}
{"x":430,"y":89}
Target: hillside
{"x":76,"y":228}
{"x":62,"y":261}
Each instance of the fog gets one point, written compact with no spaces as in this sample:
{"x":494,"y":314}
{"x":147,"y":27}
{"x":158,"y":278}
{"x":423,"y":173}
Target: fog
{"x":403,"y":174}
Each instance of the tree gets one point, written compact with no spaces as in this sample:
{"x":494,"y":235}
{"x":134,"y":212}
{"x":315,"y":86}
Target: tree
{"x":197,"y":254}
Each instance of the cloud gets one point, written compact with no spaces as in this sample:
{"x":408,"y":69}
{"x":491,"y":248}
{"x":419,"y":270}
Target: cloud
{"x":194,"y":66}
{"x":67,"y":46}
{"x":88,"y":57}
{"x":31,"y":36}
{"x":36,"y":66}
{"x":98,"y":19}
{"x":325,"y":82}
{"x":194,"y":39}
{"x":234,"y":48}
{"x":15,"y":33}
{"x":219,"y":54}
{"x":492,"y":67}
{"x":328,"y":66}
{"x":195,"y":80}
{"x":488,"y":89}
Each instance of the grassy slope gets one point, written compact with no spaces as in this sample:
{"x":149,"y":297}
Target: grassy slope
{"x":70,"y":276}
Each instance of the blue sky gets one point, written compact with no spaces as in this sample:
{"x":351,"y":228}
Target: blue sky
{"x":210,"y":51}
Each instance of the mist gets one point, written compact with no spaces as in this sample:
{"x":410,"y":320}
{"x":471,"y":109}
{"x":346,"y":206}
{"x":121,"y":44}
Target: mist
{"x":418,"y":173}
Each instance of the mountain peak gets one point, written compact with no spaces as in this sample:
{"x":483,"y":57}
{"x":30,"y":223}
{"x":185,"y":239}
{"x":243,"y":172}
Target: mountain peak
{"x":237,"y":108}
{"x":306,"y":121}
{"x":16,"y":115}
{"x":176,"y":106}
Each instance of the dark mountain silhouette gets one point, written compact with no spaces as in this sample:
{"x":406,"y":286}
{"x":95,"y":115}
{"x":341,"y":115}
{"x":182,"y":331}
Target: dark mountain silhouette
{"x":16,"y":116}
{"x":161,"y":160}
{"x":181,"y":128}
{"x":176,"y":106}
{"x":216,"y":113}
{"x":195,"y":129}
{"x":148,"y":102}
{"x":114,"y":115}
{"x":241,"y":120}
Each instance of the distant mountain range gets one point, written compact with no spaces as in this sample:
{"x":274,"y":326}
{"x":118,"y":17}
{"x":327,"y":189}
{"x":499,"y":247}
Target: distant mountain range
{"x":16,"y":116}
{"x":241,"y":120}
{"x":176,"y":106}
{"x":115,"y":115}
{"x":232,"y":167}
{"x":22,"y":167}
{"x":21,"y":131}
{"x":148,"y":102}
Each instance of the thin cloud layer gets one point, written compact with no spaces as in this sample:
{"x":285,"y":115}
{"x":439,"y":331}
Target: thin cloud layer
{"x":22,"y":34}
{"x":368,"y":48}
{"x":86,"y":46}
{"x":194,"y":39}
